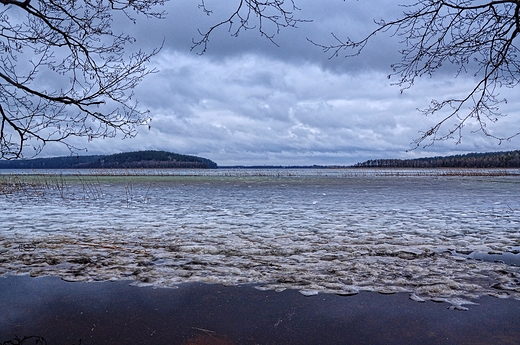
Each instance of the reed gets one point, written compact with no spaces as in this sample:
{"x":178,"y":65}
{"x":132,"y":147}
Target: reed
{"x":35,"y":185}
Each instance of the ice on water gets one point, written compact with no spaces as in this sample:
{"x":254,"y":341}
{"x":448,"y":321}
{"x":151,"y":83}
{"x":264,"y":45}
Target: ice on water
{"x":436,"y":237}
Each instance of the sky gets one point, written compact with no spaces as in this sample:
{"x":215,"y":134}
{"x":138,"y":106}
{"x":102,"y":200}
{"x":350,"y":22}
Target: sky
{"x":248,"y":101}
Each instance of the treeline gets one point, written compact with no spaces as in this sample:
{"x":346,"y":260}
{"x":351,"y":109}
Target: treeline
{"x":126,"y":160}
{"x":509,"y":159}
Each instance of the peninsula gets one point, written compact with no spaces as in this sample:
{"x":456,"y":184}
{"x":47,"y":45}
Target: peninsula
{"x":126,"y":160}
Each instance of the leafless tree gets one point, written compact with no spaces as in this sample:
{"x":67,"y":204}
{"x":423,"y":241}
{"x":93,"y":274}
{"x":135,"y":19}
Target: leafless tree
{"x":478,"y":37}
{"x":45,"y":43}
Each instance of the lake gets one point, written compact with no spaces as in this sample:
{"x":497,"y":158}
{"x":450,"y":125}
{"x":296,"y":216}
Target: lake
{"x":442,"y":235}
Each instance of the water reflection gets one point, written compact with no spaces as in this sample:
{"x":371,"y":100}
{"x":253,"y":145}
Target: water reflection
{"x":114,"y":313}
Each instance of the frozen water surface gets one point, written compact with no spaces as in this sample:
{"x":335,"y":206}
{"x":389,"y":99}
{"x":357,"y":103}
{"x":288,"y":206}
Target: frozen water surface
{"x":437,"y":235}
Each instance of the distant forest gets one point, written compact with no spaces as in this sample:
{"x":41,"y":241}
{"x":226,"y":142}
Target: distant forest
{"x":509,"y":159}
{"x":127,"y":160}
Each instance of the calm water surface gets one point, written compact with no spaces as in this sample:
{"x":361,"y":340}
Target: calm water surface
{"x":435,"y":235}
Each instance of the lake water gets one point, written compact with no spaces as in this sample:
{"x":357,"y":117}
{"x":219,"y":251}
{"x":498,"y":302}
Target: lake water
{"x":446,"y":235}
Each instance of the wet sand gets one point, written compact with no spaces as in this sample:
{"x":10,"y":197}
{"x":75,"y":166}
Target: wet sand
{"x":198,"y":314}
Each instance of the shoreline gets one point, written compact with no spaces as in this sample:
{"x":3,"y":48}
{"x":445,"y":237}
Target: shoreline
{"x":196,"y":314}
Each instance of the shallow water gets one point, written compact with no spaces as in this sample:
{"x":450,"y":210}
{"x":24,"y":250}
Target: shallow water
{"x":435,"y":235}
{"x":113,"y":313}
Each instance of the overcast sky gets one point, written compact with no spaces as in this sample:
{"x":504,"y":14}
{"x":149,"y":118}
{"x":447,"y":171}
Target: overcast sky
{"x":247,"y":101}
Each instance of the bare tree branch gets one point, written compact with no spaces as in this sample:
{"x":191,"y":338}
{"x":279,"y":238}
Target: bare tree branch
{"x":479,"y":37}
{"x":270,"y":15}
{"x":71,"y":42}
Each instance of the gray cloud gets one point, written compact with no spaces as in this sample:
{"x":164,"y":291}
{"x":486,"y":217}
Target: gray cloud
{"x":248,"y":101}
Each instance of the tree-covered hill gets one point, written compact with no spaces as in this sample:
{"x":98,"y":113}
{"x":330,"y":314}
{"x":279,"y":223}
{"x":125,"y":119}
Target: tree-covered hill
{"x":126,"y":160}
{"x":509,"y":159}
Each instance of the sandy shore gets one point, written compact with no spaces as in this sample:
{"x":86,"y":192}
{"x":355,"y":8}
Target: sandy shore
{"x":197,"y":314}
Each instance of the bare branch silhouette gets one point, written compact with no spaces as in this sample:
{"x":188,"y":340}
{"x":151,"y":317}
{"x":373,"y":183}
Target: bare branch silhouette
{"x":479,"y":38}
{"x":268,"y":17}
{"x":70,"y":43}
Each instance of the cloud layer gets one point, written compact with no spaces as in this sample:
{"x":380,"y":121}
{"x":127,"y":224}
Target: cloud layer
{"x":250,"y":102}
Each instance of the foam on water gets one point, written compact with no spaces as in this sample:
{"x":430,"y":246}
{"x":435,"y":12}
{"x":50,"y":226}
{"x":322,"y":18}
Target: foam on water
{"x":438,"y":237}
